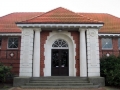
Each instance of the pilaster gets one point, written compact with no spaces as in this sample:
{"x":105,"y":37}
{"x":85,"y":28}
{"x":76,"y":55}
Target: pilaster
{"x":93,"y":52}
{"x":26,"y":52}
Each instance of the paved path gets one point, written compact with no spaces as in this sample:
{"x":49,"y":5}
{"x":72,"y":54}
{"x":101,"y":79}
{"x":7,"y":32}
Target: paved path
{"x":101,"y":88}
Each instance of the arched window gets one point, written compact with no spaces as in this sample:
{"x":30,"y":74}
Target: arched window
{"x":60,"y":43}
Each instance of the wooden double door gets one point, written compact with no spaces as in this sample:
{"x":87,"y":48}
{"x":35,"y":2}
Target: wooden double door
{"x":59,"y":62}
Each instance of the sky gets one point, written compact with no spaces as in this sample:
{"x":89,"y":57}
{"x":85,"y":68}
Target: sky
{"x":89,"y":6}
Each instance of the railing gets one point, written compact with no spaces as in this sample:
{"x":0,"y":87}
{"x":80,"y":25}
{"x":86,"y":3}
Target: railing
{"x":11,"y":58}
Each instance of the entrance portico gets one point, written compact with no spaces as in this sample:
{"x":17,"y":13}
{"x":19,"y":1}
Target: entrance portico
{"x":89,"y":66}
{"x":37,"y":57}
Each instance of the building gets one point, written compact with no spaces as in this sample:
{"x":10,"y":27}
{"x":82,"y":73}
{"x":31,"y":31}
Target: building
{"x":58,"y":42}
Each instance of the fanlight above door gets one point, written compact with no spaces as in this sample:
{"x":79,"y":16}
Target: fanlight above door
{"x":60,"y":43}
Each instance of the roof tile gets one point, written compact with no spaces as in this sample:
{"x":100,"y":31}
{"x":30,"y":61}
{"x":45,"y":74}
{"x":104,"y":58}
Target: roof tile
{"x":111,"y":23}
{"x":60,"y":15}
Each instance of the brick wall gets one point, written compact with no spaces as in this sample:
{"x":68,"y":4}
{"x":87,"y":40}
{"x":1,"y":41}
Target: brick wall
{"x":15,"y":61}
{"x":75,"y":35}
{"x":5,"y":57}
{"x":43,"y":38}
{"x":44,"y":35}
{"x":114,"y":51}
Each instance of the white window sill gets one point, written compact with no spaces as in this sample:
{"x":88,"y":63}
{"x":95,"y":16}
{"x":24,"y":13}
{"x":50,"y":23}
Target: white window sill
{"x":12,"y":48}
{"x":107,"y":48}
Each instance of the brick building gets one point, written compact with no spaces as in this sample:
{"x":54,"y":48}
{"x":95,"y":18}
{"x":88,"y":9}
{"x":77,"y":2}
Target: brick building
{"x":58,"y":42}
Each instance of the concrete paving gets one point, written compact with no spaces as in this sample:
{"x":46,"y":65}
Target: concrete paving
{"x":101,"y":88}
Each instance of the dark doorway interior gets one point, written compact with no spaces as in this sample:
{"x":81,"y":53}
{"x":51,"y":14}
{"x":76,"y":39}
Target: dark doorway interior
{"x":60,"y":60}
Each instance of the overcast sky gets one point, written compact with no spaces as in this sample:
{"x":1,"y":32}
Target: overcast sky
{"x":93,"y":6}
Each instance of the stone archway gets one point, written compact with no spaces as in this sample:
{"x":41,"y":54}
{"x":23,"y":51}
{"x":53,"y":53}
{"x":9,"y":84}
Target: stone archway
{"x":48,"y":46}
{"x":60,"y":58}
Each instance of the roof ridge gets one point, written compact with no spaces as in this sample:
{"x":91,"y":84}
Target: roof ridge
{"x":49,"y":12}
{"x":6,"y":15}
{"x":57,"y":13}
{"x":89,"y":18}
{"x":90,"y":13}
{"x":31,"y":17}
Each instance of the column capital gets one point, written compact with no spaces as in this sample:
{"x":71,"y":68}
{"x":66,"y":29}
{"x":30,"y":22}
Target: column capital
{"x":37,"y":29}
{"x":82,"y":29}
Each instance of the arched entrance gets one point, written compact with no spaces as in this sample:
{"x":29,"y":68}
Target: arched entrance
{"x":53,"y":36}
{"x":60,"y":58}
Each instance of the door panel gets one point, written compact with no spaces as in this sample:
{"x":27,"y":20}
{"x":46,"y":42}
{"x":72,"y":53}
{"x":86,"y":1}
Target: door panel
{"x":59,"y":62}
{"x":55,"y":62}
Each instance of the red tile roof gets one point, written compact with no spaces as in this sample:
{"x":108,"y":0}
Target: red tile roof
{"x":111,"y":23}
{"x":61,"y":15}
{"x":7,"y":23}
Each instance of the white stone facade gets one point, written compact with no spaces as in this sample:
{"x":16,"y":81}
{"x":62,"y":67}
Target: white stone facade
{"x":53,"y":36}
{"x":26,"y":54}
{"x":30,"y":52}
{"x":93,"y":53}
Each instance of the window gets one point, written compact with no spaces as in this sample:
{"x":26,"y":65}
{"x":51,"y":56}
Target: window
{"x":13,"y":42}
{"x":0,"y":42}
{"x":119,"y":43}
{"x":60,"y":43}
{"x":106,"y":43}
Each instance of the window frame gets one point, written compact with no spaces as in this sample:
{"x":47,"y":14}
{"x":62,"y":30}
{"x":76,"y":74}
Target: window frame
{"x":111,"y":43}
{"x":118,"y":43}
{"x":1,"y":42}
{"x":67,"y":47}
{"x":8,"y":42}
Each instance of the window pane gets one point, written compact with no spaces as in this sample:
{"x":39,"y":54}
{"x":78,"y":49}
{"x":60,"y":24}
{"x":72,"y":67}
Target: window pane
{"x":118,"y":42}
{"x":59,"y":43}
{"x":106,"y":43}
{"x":0,"y":42}
{"x":13,"y":43}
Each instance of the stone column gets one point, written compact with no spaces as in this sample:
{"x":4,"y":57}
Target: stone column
{"x":36,"y":59}
{"x":93,"y":53}
{"x":83,"y":64}
{"x":26,"y":52}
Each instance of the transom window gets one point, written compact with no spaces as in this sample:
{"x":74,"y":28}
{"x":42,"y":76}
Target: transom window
{"x":0,"y":42}
{"x":13,"y":42}
{"x":106,"y":43}
{"x":60,"y":43}
{"x":119,"y":43}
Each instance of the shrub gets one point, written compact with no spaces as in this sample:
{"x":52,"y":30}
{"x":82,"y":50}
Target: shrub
{"x":5,"y":72}
{"x":110,"y":69}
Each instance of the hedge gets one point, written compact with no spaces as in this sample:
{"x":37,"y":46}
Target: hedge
{"x":110,"y":69}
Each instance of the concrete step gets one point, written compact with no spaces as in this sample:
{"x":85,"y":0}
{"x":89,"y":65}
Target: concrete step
{"x":58,"y":84}
{"x":73,"y":81}
{"x":61,"y":87}
{"x":59,"y":78}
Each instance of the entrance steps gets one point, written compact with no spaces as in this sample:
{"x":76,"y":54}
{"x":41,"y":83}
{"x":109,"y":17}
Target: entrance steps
{"x":59,"y":83}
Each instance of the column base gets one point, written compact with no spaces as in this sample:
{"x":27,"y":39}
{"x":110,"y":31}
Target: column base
{"x":97,"y":81}
{"x":19,"y":81}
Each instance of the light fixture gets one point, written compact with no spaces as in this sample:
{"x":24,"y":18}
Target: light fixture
{"x":59,"y":30}
{"x":107,"y":54}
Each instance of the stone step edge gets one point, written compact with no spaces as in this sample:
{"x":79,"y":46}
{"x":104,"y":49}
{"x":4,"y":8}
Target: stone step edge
{"x":59,"y":87}
{"x":62,"y":81}
{"x":57,"y":84}
{"x":58,"y":80}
